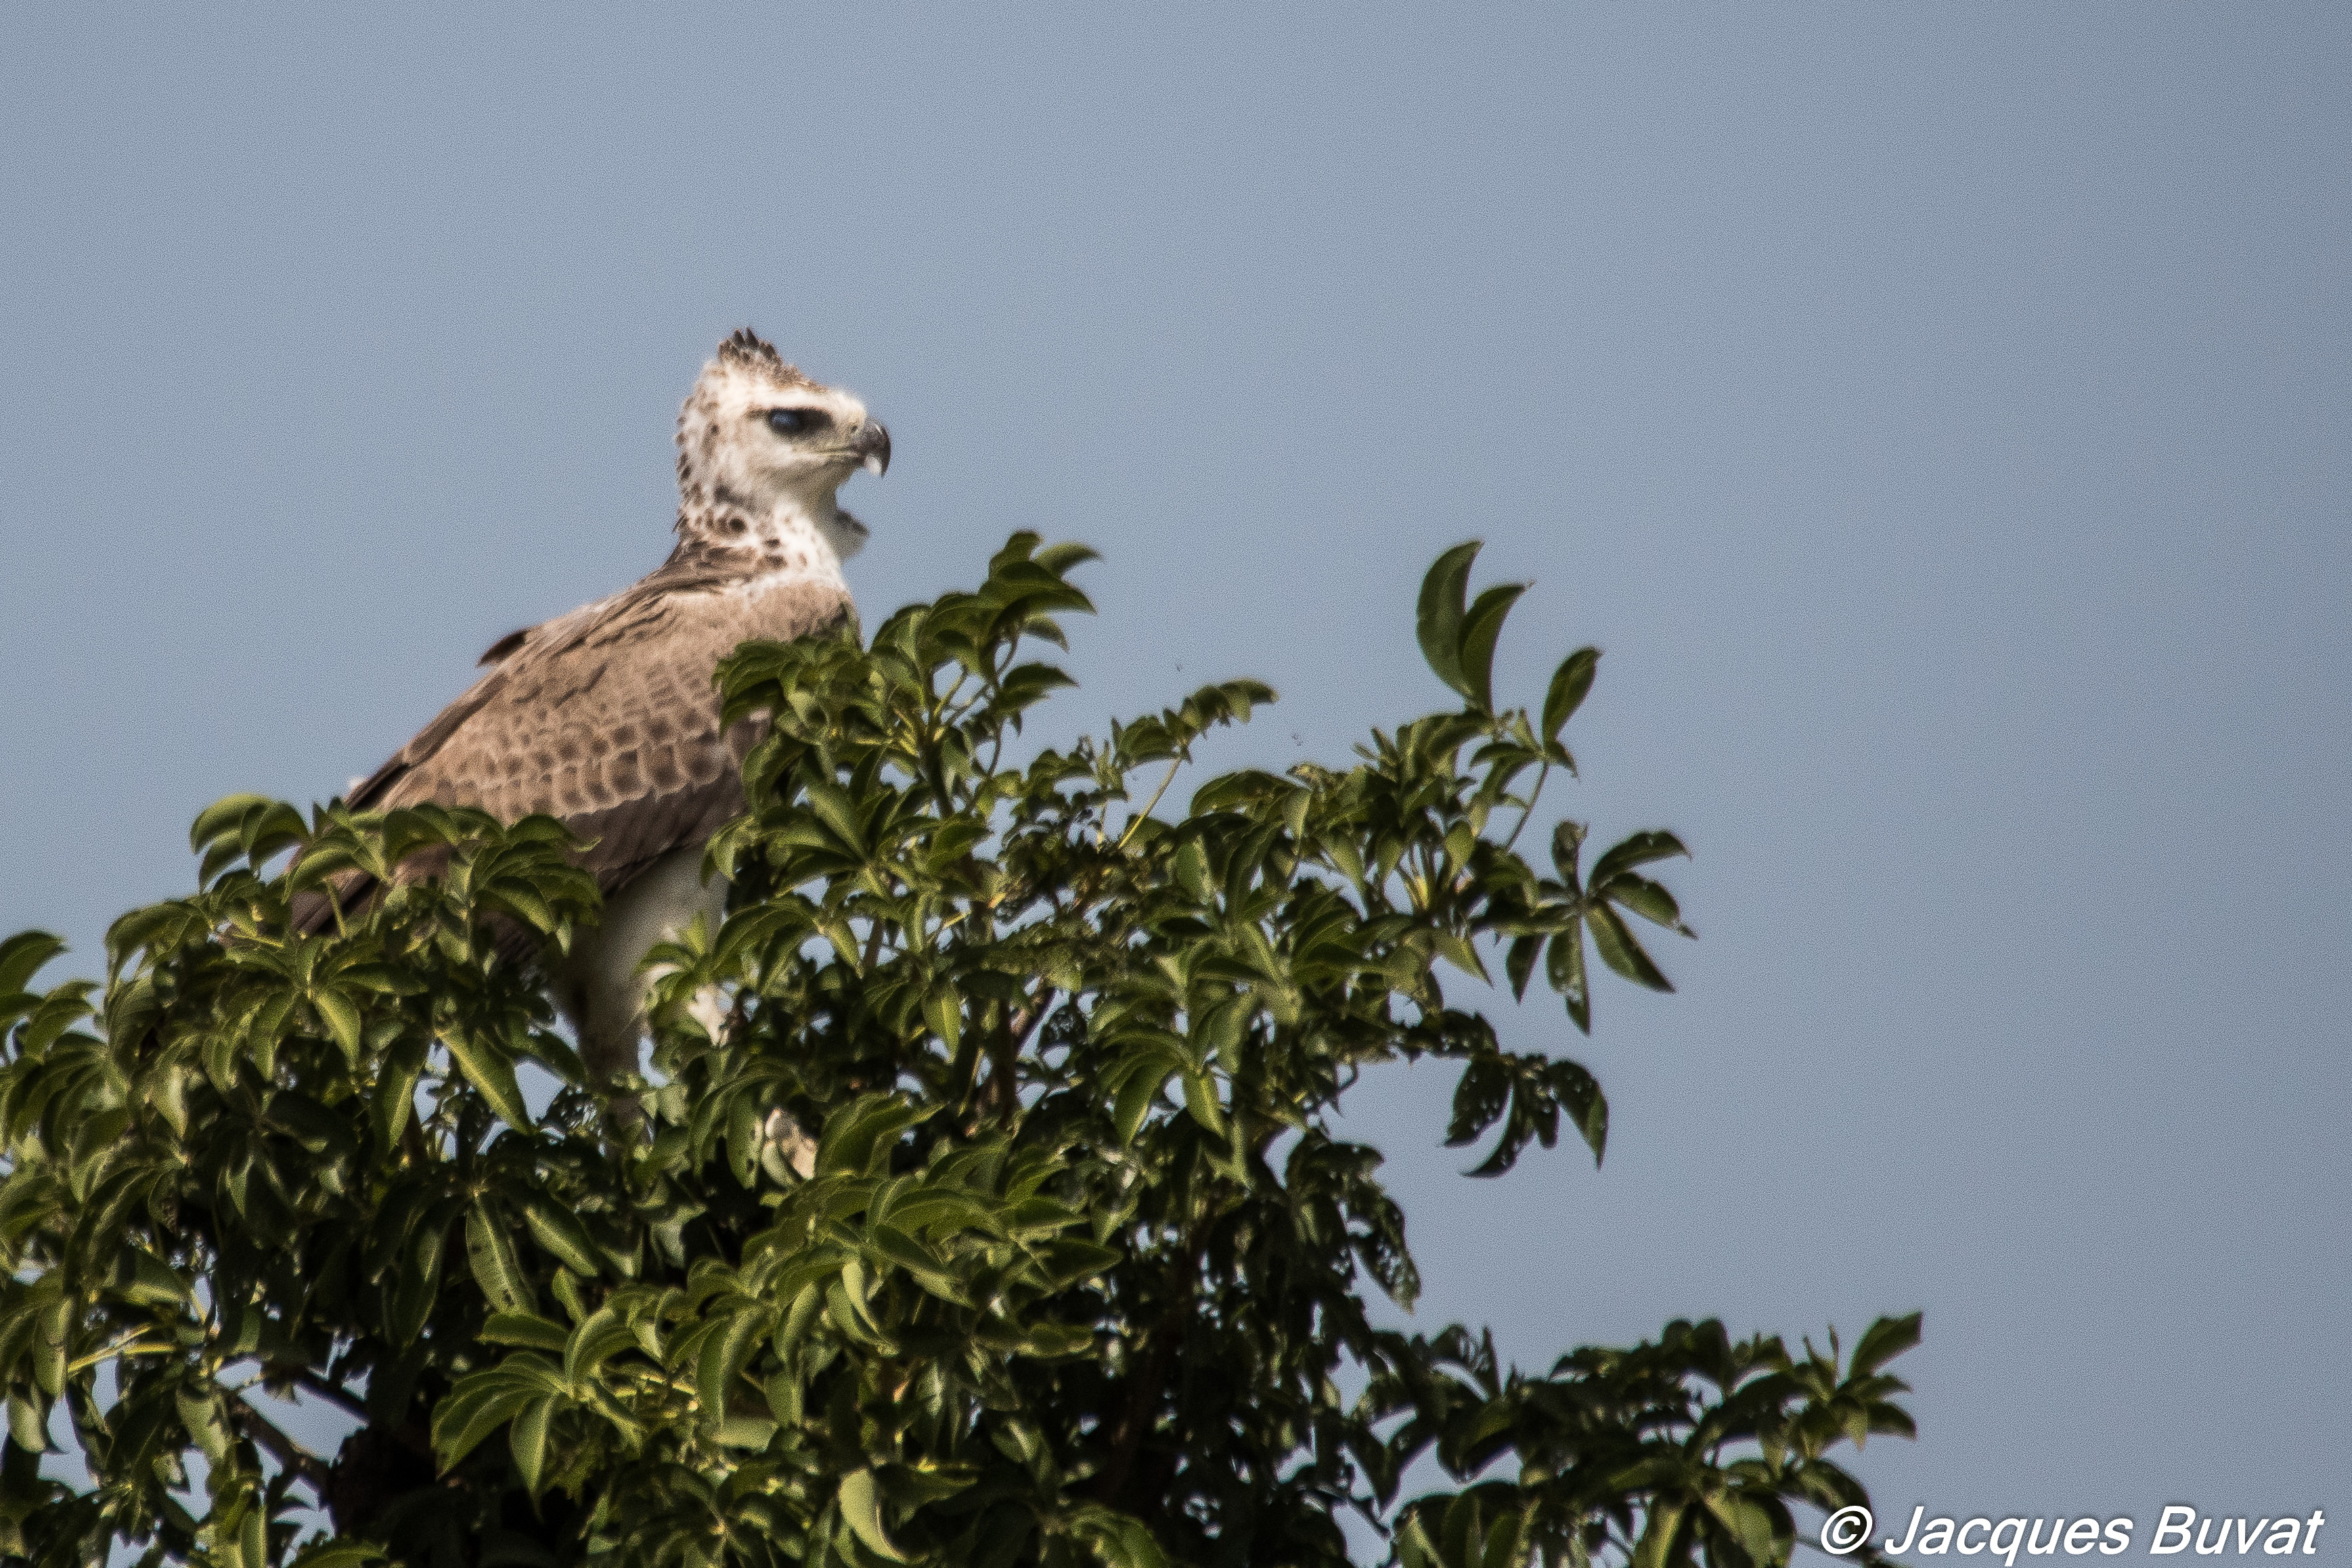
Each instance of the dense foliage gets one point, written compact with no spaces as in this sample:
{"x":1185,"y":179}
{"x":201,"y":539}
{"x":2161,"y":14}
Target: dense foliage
{"x":1071,"y":1267}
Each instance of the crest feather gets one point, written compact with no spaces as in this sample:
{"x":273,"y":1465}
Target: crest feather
{"x":749,"y":350}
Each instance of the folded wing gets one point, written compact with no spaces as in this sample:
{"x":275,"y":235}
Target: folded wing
{"x":606,"y":718}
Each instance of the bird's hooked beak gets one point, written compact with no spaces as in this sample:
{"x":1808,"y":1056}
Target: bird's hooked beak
{"x":872,"y":445}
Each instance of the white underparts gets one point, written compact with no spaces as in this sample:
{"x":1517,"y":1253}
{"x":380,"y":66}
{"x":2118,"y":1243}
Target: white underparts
{"x":601,"y":985}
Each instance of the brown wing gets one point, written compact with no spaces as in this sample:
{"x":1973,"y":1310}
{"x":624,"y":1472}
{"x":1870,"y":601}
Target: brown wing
{"x":605,"y":718}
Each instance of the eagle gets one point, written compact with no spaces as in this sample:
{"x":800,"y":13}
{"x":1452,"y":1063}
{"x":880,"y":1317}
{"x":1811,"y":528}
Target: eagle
{"x":608,"y":719}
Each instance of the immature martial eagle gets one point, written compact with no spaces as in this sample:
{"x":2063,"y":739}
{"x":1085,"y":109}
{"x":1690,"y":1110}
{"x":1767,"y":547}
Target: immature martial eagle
{"x":607,"y":718}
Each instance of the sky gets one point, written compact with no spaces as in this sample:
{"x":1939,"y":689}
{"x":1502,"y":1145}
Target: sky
{"x":1942,"y":417}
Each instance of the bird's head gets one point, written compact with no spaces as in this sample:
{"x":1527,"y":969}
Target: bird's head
{"x":758,"y":436}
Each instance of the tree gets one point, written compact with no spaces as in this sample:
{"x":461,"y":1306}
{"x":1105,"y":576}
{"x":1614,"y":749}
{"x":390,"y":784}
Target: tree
{"x":1075,"y":1268}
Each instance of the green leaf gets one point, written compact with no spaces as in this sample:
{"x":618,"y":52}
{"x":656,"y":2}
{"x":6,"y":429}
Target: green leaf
{"x":1414,"y":1547}
{"x":1438,"y":622}
{"x":1882,"y":1342}
{"x":21,"y":958}
{"x":1646,"y":899}
{"x":28,"y":1422}
{"x":1502,"y":1544}
{"x":858,"y":1139}
{"x":1461,"y":1540}
{"x":1564,"y":969}
{"x":1024,"y":684}
{"x":341,"y":1553}
{"x":481,"y":1403}
{"x":1588,"y":1109}
{"x":562,"y":1235}
{"x":1480,"y":629}
{"x":1569,"y":685}
{"x":419,"y":1282}
{"x":599,"y":1335}
{"x":1746,"y":1522}
{"x":1457,"y":950}
{"x":527,"y":1439}
{"x":1520,"y":964}
{"x":485,"y":1067}
{"x":1652,"y":844}
{"x":797,"y":1322}
{"x":745,"y":1432}
{"x":1620,"y":951}
{"x":343,"y":1021}
{"x":725,"y":1354}
{"x":890,"y":1244}
{"x":833,"y":806}
{"x":1480,"y":1097}
{"x":199,"y":1410}
{"x":1192,"y":869}
{"x":1136,"y":1093}
{"x":526,"y":1329}
{"x":861,"y":1508}
{"x":1058,"y":558}
{"x":253,"y":1536}
{"x":1119,"y":1540}
{"x":394,"y":1101}
{"x":1200,"y":1100}
{"x":148,"y":1281}
{"x":943,"y":1011}
{"x":221,"y":817}
{"x":1651,"y":1551}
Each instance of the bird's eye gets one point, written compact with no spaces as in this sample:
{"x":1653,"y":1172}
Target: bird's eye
{"x":797,"y":420}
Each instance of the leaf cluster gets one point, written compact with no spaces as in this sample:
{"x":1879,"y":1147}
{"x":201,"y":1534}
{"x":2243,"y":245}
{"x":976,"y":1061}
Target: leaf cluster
{"x":997,"y":1212}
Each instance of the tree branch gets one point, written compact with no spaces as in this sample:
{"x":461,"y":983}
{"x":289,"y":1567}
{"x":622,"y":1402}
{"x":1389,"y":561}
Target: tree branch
{"x":1004,"y":1088}
{"x":332,"y":1393}
{"x":297,"y":1461}
{"x":1145,"y":1384}
{"x":1137,"y":820}
{"x":1024,"y":1023}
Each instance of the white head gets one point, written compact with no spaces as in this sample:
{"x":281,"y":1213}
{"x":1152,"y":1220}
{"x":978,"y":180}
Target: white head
{"x":762,"y":447}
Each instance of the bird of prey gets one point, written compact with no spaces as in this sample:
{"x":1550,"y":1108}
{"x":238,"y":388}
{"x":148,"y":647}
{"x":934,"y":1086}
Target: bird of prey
{"x":608,"y":717}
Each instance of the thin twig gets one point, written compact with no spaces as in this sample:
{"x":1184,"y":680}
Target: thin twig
{"x":1529,"y":808}
{"x":1137,"y":820}
{"x":127,"y":1345}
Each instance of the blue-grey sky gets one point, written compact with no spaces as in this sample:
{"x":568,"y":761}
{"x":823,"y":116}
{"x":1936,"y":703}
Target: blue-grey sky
{"x":1940,"y":415}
